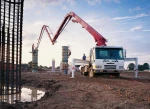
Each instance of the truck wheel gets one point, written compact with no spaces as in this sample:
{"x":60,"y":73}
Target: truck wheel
{"x":117,"y":75}
{"x":84,"y":73}
{"x":82,"y":70}
{"x":91,"y":74}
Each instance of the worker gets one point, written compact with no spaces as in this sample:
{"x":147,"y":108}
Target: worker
{"x":84,"y":57}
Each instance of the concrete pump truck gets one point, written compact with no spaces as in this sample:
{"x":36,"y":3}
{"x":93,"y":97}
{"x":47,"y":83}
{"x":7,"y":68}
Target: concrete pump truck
{"x":103,"y":59}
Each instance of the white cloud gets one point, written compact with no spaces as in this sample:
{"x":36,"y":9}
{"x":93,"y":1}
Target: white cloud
{"x":96,"y":20}
{"x":64,"y":7}
{"x":94,"y":2}
{"x":33,"y":3}
{"x":119,"y":32}
{"x":135,"y":9}
{"x":116,"y":1}
{"x":38,"y":12}
{"x":56,"y":2}
{"x":146,"y":30}
{"x":38,"y":23}
{"x":130,"y":17}
{"x":136,"y":28}
{"x":28,"y":36}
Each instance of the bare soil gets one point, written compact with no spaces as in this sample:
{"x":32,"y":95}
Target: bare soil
{"x":82,"y":92}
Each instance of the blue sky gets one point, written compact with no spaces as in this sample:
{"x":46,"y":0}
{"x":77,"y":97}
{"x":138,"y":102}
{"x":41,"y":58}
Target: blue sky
{"x":123,"y":22}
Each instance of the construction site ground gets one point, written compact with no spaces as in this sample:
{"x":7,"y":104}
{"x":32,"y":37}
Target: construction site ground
{"x":82,"y":92}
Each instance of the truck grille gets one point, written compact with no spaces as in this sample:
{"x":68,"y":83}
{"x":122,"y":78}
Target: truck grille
{"x":110,"y":66}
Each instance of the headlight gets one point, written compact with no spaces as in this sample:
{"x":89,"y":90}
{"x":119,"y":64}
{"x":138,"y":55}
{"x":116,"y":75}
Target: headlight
{"x":121,"y":67}
{"x":96,"y":66}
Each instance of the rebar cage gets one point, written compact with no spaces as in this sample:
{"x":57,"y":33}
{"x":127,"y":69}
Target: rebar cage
{"x":11,"y":20}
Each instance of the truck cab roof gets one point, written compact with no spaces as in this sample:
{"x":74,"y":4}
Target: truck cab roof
{"x":107,"y":47}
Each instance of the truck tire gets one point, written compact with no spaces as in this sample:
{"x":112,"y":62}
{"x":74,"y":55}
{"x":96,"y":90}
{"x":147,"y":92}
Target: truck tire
{"x":117,"y":75}
{"x":91,"y":74}
{"x":85,"y":73}
{"x":82,"y":71}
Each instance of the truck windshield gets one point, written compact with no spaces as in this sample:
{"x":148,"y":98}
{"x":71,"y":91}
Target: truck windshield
{"x":109,"y":53}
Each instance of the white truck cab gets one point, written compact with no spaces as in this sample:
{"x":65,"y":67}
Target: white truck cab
{"x":105,"y":59}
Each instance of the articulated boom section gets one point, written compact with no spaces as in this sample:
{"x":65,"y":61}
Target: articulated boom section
{"x":99,"y":39}
{"x":47,"y":29}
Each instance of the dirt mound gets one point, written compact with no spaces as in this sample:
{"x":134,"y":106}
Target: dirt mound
{"x":82,"y":92}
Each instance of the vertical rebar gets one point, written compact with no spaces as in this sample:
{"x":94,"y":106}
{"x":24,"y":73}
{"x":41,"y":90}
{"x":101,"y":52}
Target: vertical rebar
{"x":0,"y":53}
{"x":21,"y":20}
{"x":8,"y":51}
{"x":17,"y":49}
{"x":13,"y":43}
{"x":11,"y":19}
{"x":3,"y":59}
{"x":8,"y":61}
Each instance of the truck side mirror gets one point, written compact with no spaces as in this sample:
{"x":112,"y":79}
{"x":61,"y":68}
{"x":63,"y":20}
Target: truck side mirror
{"x":124,"y":53}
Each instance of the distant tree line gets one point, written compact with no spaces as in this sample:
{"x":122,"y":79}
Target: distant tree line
{"x":41,"y":67}
{"x":145,"y":66}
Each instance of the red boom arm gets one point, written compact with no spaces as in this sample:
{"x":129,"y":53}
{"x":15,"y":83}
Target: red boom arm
{"x":99,"y":39}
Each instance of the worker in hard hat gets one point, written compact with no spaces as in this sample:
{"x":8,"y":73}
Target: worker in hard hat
{"x":84,"y":57}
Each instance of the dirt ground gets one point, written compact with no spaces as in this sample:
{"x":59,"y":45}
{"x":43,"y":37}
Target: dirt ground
{"x":82,"y":92}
